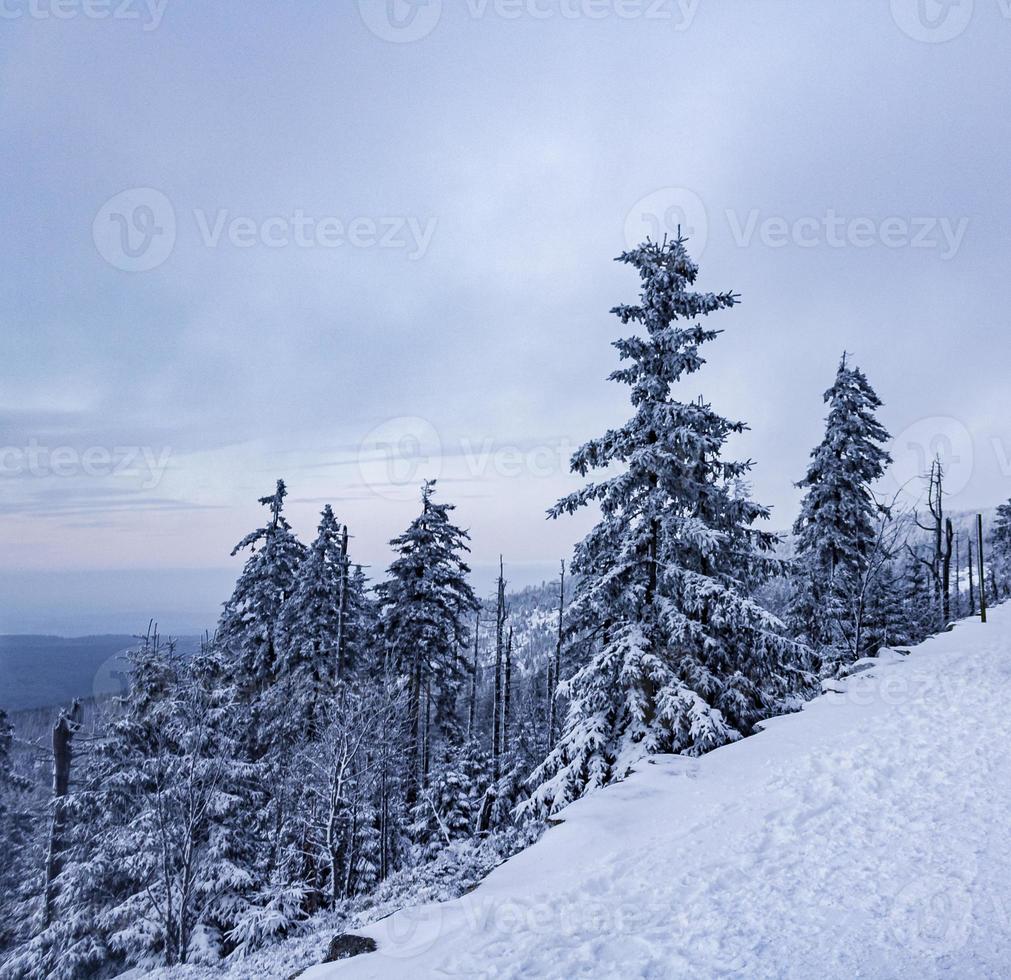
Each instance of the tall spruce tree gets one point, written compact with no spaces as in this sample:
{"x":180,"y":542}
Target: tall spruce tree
{"x":426,"y":603}
{"x":308,"y":627}
{"x":837,"y":529}
{"x":673,"y":654}
{"x":1000,"y":547}
{"x":249,"y":621}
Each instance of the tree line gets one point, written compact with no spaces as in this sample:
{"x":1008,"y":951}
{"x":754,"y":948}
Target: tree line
{"x":334,"y":734}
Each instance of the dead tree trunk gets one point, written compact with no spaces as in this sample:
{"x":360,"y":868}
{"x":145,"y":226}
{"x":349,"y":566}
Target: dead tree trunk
{"x":64,"y":730}
{"x":957,"y":607}
{"x":554,"y":670}
{"x":427,"y":750}
{"x":496,"y":718}
{"x":949,"y":536}
{"x":507,"y":693}
{"x":982,"y":568}
{"x":935,"y":563}
{"x":472,"y":718}
{"x":972,"y":584}
{"x":342,"y":665}
{"x":414,"y":747}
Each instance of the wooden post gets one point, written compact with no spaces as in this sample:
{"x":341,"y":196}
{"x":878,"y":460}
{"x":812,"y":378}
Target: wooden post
{"x":979,"y":549}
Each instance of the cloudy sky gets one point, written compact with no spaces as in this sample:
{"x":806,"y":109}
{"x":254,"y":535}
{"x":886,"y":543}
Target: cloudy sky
{"x":356,"y":244}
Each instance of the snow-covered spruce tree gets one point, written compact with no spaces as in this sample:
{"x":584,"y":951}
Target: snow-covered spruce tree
{"x":363,"y":653}
{"x":185,"y":844}
{"x":673,"y":655}
{"x":325,"y":627}
{"x":1000,"y":546}
{"x":155,"y":870}
{"x":449,"y":805}
{"x":308,"y":629}
{"x":247,"y":627}
{"x":16,"y":838}
{"x":837,"y":529}
{"x":426,"y":604}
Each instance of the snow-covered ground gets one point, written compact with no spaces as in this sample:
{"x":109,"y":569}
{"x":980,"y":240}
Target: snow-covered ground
{"x":867,"y":836}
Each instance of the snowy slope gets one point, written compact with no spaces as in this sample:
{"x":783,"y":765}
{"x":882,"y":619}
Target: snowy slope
{"x":868,"y":836}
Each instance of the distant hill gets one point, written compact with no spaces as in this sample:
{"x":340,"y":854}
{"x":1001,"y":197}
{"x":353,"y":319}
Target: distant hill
{"x":41,"y":671}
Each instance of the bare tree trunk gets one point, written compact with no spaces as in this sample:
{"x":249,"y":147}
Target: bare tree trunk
{"x":414,"y":715}
{"x":949,"y":535}
{"x":652,"y":548}
{"x":426,"y":755}
{"x":384,"y":812}
{"x":982,"y":569}
{"x":349,"y":874}
{"x":342,"y":665}
{"x":507,"y":693}
{"x":472,"y":719}
{"x":935,"y":503}
{"x":554,"y":671}
{"x":972,"y":586}
{"x":63,"y":736}
{"x":496,"y":718}
{"x":957,"y":609}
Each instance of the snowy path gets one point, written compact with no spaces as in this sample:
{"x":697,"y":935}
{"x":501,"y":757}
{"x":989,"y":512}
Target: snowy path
{"x":868,"y":836}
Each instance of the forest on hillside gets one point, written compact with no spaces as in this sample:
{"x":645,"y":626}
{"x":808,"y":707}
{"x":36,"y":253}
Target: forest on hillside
{"x":341,"y":743}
